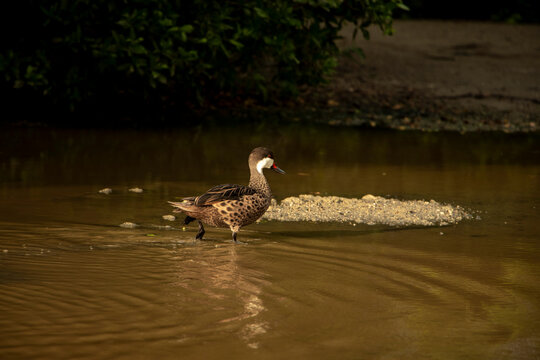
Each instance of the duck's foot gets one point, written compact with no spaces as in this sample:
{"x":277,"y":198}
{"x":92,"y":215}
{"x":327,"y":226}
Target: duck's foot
{"x":201,"y":232}
{"x":235,"y":240}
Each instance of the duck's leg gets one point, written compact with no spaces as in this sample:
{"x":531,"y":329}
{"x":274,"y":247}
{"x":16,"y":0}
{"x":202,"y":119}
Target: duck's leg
{"x":201,"y":232}
{"x":235,"y":228}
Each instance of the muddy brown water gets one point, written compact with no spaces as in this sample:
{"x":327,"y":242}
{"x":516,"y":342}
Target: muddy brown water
{"x":75,"y":285}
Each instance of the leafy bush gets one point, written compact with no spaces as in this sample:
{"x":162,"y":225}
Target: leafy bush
{"x":86,"y":51}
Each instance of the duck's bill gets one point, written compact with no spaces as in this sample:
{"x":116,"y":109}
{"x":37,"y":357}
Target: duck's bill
{"x":276,"y":169}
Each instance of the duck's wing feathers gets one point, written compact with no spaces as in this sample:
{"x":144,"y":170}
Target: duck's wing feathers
{"x":223,"y":192}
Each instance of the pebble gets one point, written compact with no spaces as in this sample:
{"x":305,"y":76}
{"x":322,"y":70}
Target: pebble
{"x":105,"y":191}
{"x":169,"y":217}
{"x":162,"y":227}
{"x":128,"y":225}
{"x":136,"y":190}
{"x":369,"y":197}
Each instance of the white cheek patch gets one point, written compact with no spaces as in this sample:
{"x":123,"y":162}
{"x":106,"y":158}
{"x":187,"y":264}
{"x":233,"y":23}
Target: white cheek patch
{"x":264,"y":163}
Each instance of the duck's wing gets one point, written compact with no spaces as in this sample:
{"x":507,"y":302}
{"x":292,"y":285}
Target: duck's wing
{"x":223,"y":192}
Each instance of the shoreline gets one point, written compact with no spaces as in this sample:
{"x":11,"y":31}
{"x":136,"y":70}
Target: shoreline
{"x":431,"y":75}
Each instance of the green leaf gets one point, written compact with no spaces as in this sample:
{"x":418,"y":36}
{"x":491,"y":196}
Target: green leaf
{"x":162,"y":79}
{"x":261,"y":13}
{"x":236,"y":43}
{"x":294,"y":58}
{"x":166,"y":22}
{"x":186,"y":28}
{"x":402,"y":6}
{"x":124,"y":23}
{"x":138,"y":49}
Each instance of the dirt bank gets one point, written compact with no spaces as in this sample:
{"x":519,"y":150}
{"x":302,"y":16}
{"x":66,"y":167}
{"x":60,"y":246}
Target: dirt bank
{"x":437,"y":75}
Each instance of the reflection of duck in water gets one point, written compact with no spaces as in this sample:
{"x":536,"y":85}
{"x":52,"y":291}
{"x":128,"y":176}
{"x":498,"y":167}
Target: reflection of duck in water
{"x":233,"y":206}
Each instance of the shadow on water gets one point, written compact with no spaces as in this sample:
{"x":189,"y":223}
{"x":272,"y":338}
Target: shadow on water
{"x":43,"y":156}
{"x":340,"y":233}
{"x":73,"y":281}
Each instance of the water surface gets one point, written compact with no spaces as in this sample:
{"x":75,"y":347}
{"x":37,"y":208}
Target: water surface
{"x":75,"y":285}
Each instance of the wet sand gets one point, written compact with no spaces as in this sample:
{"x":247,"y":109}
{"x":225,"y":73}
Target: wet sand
{"x":368,"y":210}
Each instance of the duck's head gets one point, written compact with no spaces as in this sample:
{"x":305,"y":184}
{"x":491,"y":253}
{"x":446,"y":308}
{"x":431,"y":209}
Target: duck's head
{"x":263,"y":158}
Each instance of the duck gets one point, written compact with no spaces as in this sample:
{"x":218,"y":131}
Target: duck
{"x":230,"y":205}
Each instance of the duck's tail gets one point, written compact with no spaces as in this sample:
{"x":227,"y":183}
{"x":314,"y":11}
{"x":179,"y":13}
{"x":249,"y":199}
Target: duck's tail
{"x":185,"y":205}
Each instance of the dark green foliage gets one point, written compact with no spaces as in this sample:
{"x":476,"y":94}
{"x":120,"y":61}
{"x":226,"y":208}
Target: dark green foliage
{"x":80,"y":52}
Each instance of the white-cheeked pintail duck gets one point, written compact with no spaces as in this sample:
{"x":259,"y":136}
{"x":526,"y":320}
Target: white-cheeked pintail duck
{"x":229,"y":205}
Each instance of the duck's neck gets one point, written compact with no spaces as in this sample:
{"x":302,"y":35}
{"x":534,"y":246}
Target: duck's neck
{"x":258,"y":182}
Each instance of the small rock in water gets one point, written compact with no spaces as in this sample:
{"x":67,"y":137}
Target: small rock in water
{"x":105,"y":191}
{"x":169,"y":217}
{"x":369,"y":197}
{"x":128,"y":225}
{"x":162,"y":227}
{"x":136,"y":190}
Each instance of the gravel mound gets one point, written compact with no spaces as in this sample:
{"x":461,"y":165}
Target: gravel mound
{"x":369,"y":210}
